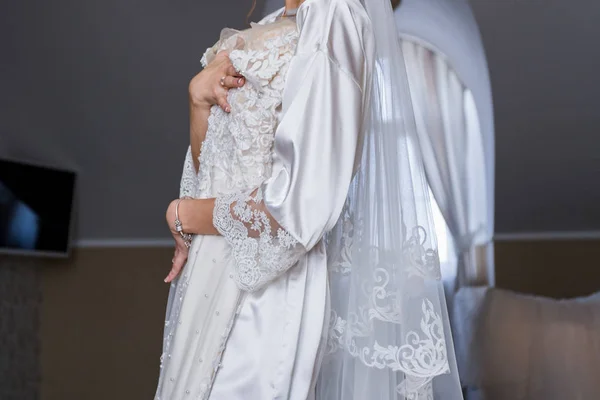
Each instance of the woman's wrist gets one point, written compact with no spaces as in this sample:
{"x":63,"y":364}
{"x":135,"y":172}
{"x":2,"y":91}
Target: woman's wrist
{"x":196,"y":216}
{"x":199,"y":104}
{"x":197,"y":101}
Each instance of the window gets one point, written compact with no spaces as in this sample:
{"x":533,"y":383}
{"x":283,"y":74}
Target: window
{"x":446,"y":249}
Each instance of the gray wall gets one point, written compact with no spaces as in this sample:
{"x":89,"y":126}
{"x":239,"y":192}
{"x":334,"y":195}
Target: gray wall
{"x":544,"y":62}
{"x":101,"y":87}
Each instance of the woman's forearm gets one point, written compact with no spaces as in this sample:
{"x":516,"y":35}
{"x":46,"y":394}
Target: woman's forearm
{"x":196,"y":216}
{"x":199,"y":114}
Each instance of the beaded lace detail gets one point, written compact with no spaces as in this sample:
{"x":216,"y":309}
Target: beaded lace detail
{"x":237,"y":151}
{"x":261,"y":251}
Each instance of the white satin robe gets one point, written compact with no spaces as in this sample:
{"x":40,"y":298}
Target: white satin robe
{"x":248,"y":317}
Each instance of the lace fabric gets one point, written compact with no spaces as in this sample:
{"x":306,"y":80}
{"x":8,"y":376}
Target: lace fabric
{"x":237,"y":150}
{"x":189,"y":179}
{"x":261,"y":248}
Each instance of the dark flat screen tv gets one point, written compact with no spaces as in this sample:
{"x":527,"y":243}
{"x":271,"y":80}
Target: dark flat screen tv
{"x":36,"y":206}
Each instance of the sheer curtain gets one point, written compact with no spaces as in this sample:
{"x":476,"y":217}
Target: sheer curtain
{"x":451,"y":141}
{"x":450,"y":81}
{"x":446,"y":247}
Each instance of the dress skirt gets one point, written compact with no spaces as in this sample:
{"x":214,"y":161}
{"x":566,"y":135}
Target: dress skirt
{"x":225,"y":344}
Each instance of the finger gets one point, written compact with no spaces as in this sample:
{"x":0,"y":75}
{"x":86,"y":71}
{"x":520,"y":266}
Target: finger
{"x":179,"y":262}
{"x":175,"y":269}
{"x":222,"y":101}
{"x":231,"y":71}
{"x":222,"y":54}
{"x":172,"y":274}
{"x":233,"y":82}
{"x":225,"y":106}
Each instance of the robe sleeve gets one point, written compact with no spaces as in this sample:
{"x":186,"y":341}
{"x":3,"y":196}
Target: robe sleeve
{"x":269,"y":228}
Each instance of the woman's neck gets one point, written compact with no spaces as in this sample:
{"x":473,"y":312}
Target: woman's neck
{"x":293,"y":4}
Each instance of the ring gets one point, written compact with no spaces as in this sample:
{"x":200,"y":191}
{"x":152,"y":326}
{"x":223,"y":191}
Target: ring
{"x":223,"y":81}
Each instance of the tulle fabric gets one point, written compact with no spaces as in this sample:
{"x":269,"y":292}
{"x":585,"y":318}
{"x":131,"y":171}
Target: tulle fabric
{"x":389,"y":333}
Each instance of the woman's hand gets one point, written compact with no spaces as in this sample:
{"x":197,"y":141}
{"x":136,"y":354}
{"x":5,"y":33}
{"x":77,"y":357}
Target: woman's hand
{"x":181,"y":250}
{"x":210,"y":86}
{"x":196,"y":217}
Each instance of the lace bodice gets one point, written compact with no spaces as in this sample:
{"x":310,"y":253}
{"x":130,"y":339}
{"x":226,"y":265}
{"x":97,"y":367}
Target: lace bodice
{"x":237,"y":151}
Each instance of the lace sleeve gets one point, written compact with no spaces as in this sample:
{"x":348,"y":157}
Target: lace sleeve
{"x":262,"y":249}
{"x":187,"y":187}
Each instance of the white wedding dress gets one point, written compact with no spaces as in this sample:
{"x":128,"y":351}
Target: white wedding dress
{"x":248,"y":317}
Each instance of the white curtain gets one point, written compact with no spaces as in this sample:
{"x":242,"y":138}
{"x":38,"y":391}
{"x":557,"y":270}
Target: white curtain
{"x":451,"y":86}
{"x":451,"y":141}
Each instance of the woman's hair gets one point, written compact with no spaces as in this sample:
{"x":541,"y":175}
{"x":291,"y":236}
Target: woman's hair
{"x":251,"y":10}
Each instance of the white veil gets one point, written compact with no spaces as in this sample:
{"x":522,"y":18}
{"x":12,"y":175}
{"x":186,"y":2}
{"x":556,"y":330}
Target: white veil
{"x":389,"y":333}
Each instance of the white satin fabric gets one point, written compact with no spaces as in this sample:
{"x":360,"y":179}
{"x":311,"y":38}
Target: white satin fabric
{"x":227,"y":336}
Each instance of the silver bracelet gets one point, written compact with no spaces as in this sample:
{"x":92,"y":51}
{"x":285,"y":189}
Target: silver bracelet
{"x":187,"y":237}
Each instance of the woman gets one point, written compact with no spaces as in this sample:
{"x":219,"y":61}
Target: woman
{"x":280,"y":138}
